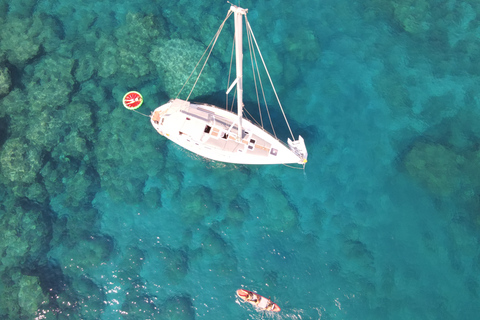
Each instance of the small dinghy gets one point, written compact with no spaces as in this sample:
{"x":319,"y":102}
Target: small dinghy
{"x":257,"y":300}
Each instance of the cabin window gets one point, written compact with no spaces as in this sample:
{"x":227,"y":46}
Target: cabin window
{"x":251,"y":144}
{"x":207,"y":129}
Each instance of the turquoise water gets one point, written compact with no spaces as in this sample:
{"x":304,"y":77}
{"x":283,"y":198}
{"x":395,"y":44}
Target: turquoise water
{"x":102,"y":218}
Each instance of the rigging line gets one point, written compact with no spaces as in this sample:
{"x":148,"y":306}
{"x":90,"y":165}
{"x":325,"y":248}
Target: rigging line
{"x":229,"y":74}
{"x":201,"y":58}
{"x":271,"y":82}
{"x":252,"y":54}
{"x":292,"y":167}
{"x":143,"y":114}
{"x":253,"y":119}
{"x":209,"y":53}
{"x":261,"y":84}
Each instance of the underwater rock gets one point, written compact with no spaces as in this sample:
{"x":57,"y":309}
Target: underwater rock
{"x":178,"y":308}
{"x":79,"y":190}
{"x":195,"y":203}
{"x":49,"y":82}
{"x":106,"y":57}
{"x":357,"y":251}
{"x":14,"y":105}
{"x":21,"y":8}
{"x":175,"y":264}
{"x":71,"y":225}
{"x":303,"y":46}
{"x":91,"y":297}
{"x":74,"y":146}
{"x":24,"y":236}
{"x":153,"y":198}
{"x":237,"y":212}
{"x":85,"y":68}
{"x":3,"y":11}
{"x":436,"y":167}
{"x":19,"y":40}
{"x":22,"y":38}
{"x":52,"y":173}
{"x":78,"y":180}
{"x":214,"y":253}
{"x":82,"y":254}
{"x":280,"y":215}
{"x":390,"y":85}
{"x":88,"y":99}
{"x":132,"y":263}
{"x":175,"y":60}
{"x":37,"y":192}
{"x":30,"y":295}
{"x":126,"y":155}
{"x":19,"y":161}
{"x":125,"y":52}
{"x":134,"y":42}
{"x":47,"y":131}
{"x":138,"y":304}
{"x":22,"y":296}
{"x":5,"y":81}
{"x":412,"y":15}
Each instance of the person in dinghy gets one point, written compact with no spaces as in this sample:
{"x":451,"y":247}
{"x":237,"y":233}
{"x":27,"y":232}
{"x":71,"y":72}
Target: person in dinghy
{"x":258,"y":301}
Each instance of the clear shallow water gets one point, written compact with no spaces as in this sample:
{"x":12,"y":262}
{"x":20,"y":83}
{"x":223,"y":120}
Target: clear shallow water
{"x":103,"y":218}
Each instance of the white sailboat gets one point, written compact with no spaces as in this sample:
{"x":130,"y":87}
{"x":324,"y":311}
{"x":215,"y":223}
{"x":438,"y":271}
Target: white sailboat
{"x":221,"y":135}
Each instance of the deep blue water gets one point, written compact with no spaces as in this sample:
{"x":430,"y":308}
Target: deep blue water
{"x":102,"y":218}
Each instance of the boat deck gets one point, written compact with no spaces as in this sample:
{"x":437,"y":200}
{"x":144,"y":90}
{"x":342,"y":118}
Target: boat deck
{"x":223,"y":135}
{"x":213,"y":132}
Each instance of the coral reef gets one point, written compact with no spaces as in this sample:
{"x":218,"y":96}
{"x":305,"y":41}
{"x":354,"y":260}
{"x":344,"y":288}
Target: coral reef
{"x":85,"y":67}
{"x":134,"y":41}
{"x":25,"y":232}
{"x":21,"y":8}
{"x":194,"y":204}
{"x":123,"y":172}
{"x":5,"y":81}
{"x":14,"y":104}
{"x":49,"y":82}
{"x":175,"y":264}
{"x":19,"y":161}
{"x":23,"y":38}
{"x":83,"y":253}
{"x":435,"y":166}
{"x":24,"y":236}
{"x":178,"y":308}
{"x":280,"y":215}
{"x":30,"y":295}
{"x":22,"y":296}
{"x":237,"y":212}
{"x":391,"y":86}
{"x":412,"y":15}
{"x":175,"y":60}
{"x":139,"y":305}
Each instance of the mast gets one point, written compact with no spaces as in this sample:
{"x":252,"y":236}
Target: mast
{"x":239,"y":13}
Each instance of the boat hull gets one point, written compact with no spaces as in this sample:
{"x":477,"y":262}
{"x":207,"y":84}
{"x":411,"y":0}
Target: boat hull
{"x":212,"y":133}
{"x":258,"y":301}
